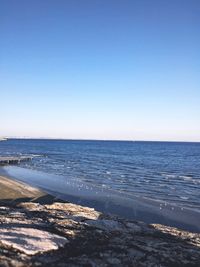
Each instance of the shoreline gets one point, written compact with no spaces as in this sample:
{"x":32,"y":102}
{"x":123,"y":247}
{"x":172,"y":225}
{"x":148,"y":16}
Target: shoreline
{"x":106,"y":201}
{"x":12,"y":191}
{"x":37,"y":229}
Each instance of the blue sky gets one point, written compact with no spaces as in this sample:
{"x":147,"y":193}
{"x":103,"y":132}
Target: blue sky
{"x":100,"y":69}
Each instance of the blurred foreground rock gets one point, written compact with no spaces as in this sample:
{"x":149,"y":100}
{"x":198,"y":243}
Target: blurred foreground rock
{"x":64,"y":234}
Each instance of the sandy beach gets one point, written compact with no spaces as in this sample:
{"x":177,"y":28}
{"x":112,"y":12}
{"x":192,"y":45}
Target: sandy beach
{"x":13,"y":192}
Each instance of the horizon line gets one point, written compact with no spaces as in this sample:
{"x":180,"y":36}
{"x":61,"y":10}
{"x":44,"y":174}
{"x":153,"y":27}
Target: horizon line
{"x":91,"y":139}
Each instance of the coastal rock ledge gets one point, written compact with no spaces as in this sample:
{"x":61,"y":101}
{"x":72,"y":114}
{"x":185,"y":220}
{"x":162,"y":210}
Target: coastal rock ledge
{"x":64,"y":234}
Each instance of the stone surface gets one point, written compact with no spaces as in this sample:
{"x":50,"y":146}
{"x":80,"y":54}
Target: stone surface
{"x":74,"y":210}
{"x":29,"y":240}
{"x":64,"y":234}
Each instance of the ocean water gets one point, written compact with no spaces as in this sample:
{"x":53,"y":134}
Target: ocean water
{"x":168,"y":172}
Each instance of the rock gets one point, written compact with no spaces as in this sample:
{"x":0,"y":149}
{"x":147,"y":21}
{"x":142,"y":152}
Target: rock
{"x":75,"y":210}
{"x":31,"y":206}
{"x":134,"y":227}
{"x":106,"y":225}
{"x":29,"y":240}
{"x":64,"y":234}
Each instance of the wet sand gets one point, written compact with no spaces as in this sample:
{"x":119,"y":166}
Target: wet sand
{"x":12,"y":191}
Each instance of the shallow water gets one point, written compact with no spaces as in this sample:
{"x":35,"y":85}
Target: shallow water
{"x":160,"y":171}
{"x":107,"y":200}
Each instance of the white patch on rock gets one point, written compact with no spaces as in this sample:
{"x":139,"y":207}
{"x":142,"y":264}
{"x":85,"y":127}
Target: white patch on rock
{"x":4,"y":208}
{"x":29,"y":240}
{"x":75,"y":210}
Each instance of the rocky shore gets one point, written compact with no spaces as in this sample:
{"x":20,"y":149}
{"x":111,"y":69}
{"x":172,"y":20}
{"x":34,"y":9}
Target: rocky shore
{"x":37,"y":230}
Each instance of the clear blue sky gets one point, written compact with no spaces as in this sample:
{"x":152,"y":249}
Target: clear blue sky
{"x":100,"y":69}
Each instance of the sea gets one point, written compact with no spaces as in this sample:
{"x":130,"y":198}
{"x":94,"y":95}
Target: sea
{"x":152,"y":178}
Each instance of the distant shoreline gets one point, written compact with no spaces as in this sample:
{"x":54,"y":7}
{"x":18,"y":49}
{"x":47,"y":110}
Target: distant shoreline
{"x":98,"y":140}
